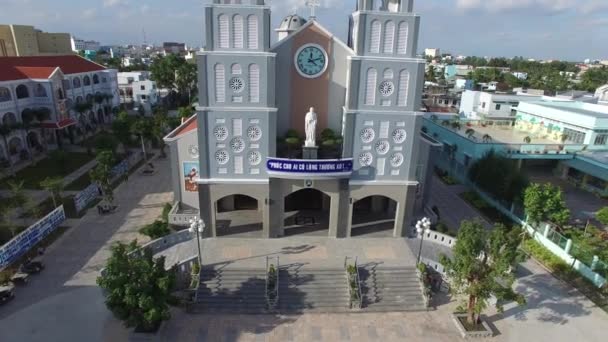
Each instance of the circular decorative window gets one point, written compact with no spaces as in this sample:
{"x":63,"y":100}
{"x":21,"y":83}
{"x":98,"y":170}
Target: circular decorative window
{"x":386,"y":88}
{"x":222,"y":157}
{"x":255,"y":158}
{"x":237,"y":144}
{"x":399,"y":135}
{"x":193,"y":150}
{"x":366,"y":159}
{"x":237,"y":84}
{"x":254,"y":133}
{"x":396,"y":159}
{"x":221,"y":133}
{"x":382,"y":147}
{"x":367,"y":135}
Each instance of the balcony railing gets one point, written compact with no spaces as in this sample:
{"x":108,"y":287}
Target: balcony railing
{"x":180,"y":216}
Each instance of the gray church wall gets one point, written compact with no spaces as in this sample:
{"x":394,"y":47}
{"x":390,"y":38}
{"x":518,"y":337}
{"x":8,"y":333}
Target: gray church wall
{"x":364,"y":22}
{"x":282,"y":86}
{"x":239,"y":143}
{"x":187,"y":158}
{"x":338,"y":83}
{"x":385,"y":146}
{"x":212,"y":13}
{"x":236,"y":67}
{"x":415,"y":67}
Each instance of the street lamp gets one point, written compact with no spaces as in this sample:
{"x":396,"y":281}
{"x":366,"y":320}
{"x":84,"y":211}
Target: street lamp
{"x":197,"y":226}
{"x":423,"y":227}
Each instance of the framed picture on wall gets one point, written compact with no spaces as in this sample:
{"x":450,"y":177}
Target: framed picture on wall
{"x":191,"y":173}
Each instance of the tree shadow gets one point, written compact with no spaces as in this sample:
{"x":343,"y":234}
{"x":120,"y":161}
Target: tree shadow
{"x":547,"y":300}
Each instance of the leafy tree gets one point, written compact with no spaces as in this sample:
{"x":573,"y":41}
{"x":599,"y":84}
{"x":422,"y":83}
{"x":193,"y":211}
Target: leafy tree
{"x":5,"y":131}
{"x":602,"y":216}
{"x":430,"y":74}
{"x":481,"y":267}
{"x":593,"y":79}
{"x":174,"y":73}
{"x":185,"y":112}
{"x":102,"y":174}
{"x":107,"y":142}
{"x":144,"y":129}
{"x":156,"y":230}
{"x":137,"y":287}
{"x":121,"y":128}
{"x":186,"y":78}
{"x":55,"y":186}
{"x":160,"y":122}
{"x":498,"y":176}
{"x":17,"y":201}
{"x":544,"y":202}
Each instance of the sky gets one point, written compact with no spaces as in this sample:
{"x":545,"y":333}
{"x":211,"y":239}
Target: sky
{"x":545,"y":29}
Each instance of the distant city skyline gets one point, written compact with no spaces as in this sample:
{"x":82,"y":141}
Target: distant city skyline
{"x":543,"y":29}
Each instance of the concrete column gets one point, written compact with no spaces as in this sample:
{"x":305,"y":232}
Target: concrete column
{"x":546,"y":230}
{"x":568,"y":246}
{"x":344,"y":210}
{"x":520,"y":163}
{"x":276,"y":208}
{"x":405,"y":211}
{"x":348,"y":223}
{"x":207,"y":210}
{"x":264,"y":207}
{"x":334,"y":210}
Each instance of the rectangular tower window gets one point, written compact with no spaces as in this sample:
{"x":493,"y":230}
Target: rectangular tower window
{"x":237,"y":31}
{"x":224,"y":31}
{"x":370,"y":87}
{"x":237,"y":127}
{"x":374,"y":42}
{"x":389,"y":37}
{"x":254,"y":83}
{"x":252,"y":32}
{"x":220,"y":83}
{"x":238,"y":165}
{"x":404,"y":80}
{"x":402,"y":38}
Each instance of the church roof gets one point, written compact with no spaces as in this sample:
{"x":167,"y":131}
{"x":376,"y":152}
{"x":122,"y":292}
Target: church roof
{"x":191,"y":124}
{"x":18,"y":68}
{"x":303,"y":27}
{"x":291,"y":22}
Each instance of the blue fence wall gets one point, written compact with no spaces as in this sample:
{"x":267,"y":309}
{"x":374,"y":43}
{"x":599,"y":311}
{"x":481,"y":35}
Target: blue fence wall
{"x":27,"y":239}
{"x":85,"y":197}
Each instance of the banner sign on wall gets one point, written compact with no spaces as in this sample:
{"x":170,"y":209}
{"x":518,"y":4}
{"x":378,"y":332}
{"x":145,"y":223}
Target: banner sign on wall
{"x":27,"y":239}
{"x":191,"y":173}
{"x":310,"y":169}
{"x":86,"y":196}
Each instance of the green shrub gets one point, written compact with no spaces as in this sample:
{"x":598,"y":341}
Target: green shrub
{"x":156,"y":230}
{"x":602,"y":216}
{"x":166,"y":209}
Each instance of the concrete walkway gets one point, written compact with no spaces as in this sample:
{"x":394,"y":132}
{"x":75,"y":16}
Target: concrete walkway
{"x":452,"y":208}
{"x":77,"y":257}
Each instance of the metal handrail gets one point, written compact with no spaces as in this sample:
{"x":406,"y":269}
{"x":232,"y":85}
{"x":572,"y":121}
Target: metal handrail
{"x":357,"y":282}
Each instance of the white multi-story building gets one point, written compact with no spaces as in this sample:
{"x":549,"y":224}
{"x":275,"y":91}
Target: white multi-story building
{"x":85,"y":45}
{"x":432,"y":52}
{"x":477,"y":105}
{"x":39,"y":97}
{"x":137,"y":88}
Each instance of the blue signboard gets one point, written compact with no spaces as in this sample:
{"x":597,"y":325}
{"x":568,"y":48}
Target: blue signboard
{"x":86,"y":196}
{"x":27,"y":239}
{"x":317,"y":168}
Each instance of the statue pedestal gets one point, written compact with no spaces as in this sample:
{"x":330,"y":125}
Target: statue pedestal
{"x":310,"y":152}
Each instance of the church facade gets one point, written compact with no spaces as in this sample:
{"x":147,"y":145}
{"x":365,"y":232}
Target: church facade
{"x":240,"y":163}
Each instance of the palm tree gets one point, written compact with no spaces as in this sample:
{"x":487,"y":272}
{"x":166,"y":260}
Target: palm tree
{"x":455,"y":125}
{"x":445,"y":123}
{"x":527,"y":140}
{"x":434,"y":118}
{"x":160,"y":121}
{"x":142,"y":128}
{"x":469,"y":132}
{"x":54,"y":186}
{"x":487,"y":138}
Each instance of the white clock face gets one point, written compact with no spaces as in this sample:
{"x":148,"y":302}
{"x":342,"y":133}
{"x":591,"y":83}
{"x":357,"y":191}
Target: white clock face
{"x":311,"y":61}
{"x":386,"y":88}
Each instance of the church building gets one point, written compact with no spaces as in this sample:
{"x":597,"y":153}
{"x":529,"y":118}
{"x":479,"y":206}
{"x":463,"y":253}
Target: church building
{"x":307,"y":135}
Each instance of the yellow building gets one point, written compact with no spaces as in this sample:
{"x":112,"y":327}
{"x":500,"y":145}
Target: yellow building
{"x":24,"y":40}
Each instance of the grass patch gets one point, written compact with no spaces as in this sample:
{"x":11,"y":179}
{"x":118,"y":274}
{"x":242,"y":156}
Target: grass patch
{"x":485,"y":209}
{"x":563,"y":271}
{"x":80,"y":183}
{"x":48,"y":167}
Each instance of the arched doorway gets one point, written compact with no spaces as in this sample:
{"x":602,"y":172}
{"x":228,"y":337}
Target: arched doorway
{"x":374,"y":216}
{"x":238,"y":216}
{"x":307,"y":213}
{"x":100,"y":116}
{"x":15,"y":146}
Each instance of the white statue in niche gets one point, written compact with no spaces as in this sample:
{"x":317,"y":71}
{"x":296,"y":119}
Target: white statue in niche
{"x":311,"y":128}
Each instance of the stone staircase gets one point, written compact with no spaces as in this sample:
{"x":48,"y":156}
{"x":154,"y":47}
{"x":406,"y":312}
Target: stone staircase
{"x":390,"y":289}
{"x":312,"y":290}
{"x":231,"y":291}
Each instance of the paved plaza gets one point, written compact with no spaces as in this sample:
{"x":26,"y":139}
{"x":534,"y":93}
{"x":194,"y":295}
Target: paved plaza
{"x":307,"y":252}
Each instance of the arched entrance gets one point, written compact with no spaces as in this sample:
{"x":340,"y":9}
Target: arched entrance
{"x":307,"y":213}
{"x":15,"y":146}
{"x":33,"y":142}
{"x":374,"y":216}
{"x":238,"y":216}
